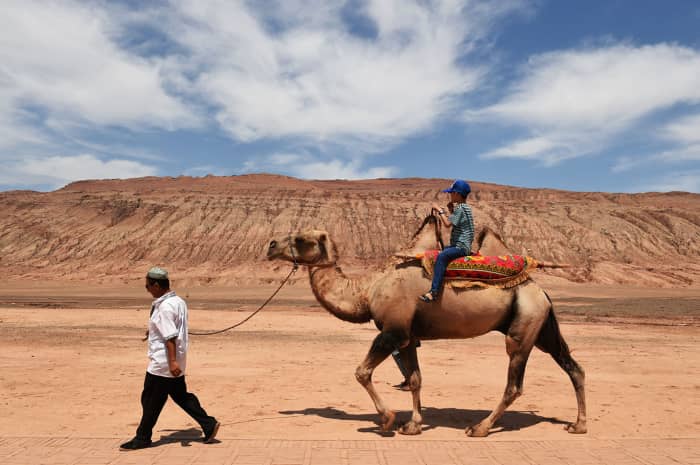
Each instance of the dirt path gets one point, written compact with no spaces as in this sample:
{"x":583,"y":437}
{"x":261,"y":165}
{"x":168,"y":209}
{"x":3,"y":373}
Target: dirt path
{"x":290,"y":374}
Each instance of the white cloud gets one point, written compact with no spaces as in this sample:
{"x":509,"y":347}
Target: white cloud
{"x":627,"y":163}
{"x":62,"y":58}
{"x":206,"y":170}
{"x":533,"y":148}
{"x":577,"y":100}
{"x":62,"y":75}
{"x":658,"y":161}
{"x":684,"y":130}
{"x":310,"y":77}
{"x":119,"y":150}
{"x":689,"y":153}
{"x":282,"y":159}
{"x":307,"y":166}
{"x":14,"y":130}
{"x":602,"y":88}
{"x":686,"y":181}
{"x":683,"y":133}
{"x":57,"y":171}
{"x":338,"y":169}
{"x":73,"y":71}
{"x":13,"y":134}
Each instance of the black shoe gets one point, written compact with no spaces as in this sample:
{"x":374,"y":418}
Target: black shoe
{"x":209,"y":436}
{"x":135,"y":443}
{"x":403,"y":386}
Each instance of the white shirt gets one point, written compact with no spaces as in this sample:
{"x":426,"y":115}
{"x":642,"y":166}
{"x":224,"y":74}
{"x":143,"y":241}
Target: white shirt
{"x":168,"y":320}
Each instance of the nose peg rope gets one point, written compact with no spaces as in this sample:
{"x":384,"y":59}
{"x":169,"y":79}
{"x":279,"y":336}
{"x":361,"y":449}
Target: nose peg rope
{"x":295,"y":267}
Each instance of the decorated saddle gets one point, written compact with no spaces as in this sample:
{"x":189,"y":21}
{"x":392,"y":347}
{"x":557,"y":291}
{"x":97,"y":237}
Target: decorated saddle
{"x":482,"y":271}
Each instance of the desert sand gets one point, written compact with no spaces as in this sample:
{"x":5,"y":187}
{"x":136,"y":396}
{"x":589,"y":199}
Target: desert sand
{"x":73,"y":364}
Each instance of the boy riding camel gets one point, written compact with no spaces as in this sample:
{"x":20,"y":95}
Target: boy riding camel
{"x":461,"y":221}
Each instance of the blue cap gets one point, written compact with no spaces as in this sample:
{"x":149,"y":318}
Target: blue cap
{"x":461,"y":187}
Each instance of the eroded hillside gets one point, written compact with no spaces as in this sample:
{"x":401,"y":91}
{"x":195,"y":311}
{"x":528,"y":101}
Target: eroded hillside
{"x":215,"y":229}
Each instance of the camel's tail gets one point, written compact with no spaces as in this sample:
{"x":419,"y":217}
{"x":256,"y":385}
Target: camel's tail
{"x":550,"y":339}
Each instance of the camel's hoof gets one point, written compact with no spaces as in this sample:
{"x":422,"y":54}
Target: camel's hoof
{"x":388,"y":421}
{"x":477,"y":431}
{"x":576,"y":428}
{"x":410,"y":429}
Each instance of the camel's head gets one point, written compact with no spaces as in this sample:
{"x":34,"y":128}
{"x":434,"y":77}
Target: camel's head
{"x":306,"y":248}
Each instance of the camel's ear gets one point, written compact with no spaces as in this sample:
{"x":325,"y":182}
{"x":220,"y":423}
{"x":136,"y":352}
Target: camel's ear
{"x":327,"y":247}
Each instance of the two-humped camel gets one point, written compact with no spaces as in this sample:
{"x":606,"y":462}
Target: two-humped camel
{"x":389,"y":298}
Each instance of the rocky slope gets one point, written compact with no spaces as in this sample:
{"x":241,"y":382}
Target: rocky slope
{"x":216,"y":229}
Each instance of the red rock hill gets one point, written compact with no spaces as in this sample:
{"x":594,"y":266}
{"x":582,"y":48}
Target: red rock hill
{"x":216,"y":229}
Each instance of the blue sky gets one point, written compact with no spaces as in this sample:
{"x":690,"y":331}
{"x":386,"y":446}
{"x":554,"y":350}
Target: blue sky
{"x":584,"y":96}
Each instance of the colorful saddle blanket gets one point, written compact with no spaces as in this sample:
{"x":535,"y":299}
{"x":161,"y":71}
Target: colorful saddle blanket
{"x":479,"y":270}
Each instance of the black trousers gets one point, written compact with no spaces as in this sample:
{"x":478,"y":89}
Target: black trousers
{"x":156,"y":390}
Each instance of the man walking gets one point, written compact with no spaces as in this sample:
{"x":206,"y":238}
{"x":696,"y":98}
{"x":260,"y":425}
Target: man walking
{"x":167,"y":351}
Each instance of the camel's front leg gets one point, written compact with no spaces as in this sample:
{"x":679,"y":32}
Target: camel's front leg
{"x":381,"y":348}
{"x":410,"y":359}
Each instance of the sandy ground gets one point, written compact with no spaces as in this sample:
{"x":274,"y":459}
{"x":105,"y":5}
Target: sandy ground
{"x":73,"y":362}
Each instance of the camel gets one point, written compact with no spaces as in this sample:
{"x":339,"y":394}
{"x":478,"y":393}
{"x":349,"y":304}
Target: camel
{"x":524,"y":314}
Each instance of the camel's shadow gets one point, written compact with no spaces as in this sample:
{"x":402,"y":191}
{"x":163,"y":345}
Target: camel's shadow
{"x":436,"y":417}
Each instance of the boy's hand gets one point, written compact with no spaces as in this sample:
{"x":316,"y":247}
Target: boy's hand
{"x":451,"y":207}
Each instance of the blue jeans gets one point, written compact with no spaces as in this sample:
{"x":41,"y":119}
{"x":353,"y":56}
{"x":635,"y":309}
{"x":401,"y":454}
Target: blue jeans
{"x":443,"y":259}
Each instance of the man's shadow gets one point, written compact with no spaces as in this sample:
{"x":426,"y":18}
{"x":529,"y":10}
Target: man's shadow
{"x":459,"y":419}
{"x":184,"y":436}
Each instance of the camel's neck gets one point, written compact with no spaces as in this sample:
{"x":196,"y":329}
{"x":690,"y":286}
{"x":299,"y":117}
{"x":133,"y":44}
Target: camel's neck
{"x":343,"y":297}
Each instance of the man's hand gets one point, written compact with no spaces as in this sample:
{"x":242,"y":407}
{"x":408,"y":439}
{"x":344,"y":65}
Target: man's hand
{"x":174,"y":368}
{"x":172,"y":358}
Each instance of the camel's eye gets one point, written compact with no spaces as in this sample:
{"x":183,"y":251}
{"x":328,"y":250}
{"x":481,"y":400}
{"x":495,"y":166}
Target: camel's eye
{"x":273,"y":244}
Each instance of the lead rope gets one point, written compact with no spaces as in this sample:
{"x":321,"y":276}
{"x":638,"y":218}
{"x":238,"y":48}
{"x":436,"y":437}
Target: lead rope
{"x":295,"y":267}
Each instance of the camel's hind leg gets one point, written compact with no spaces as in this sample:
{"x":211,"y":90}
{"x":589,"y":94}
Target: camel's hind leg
{"x":383,"y":345}
{"x":518,"y":351}
{"x":530,"y":308}
{"x":551,"y":341}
